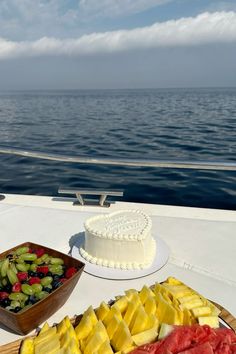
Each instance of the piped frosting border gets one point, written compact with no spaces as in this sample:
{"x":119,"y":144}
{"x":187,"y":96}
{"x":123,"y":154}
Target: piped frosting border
{"x":110,"y":235}
{"x":121,"y":265}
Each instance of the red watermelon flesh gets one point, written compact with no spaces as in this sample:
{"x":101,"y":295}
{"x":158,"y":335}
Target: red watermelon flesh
{"x":204,"y":348}
{"x":193,"y":339}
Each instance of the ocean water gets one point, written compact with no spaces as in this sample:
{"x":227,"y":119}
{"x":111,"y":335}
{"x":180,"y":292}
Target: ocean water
{"x":189,"y":124}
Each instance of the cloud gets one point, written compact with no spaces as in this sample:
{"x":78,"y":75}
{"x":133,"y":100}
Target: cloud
{"x":34,"y":19}
{"x":218,"y":27}
{"x":113,"y":8}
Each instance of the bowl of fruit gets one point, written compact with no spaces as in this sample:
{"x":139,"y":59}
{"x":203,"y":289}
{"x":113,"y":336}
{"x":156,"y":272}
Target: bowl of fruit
{"x":35,"y":281}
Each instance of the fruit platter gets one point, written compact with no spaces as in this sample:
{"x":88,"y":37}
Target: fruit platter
{"x":166,"y":318}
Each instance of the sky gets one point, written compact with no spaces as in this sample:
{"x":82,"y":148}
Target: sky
{"x":109,"y":44}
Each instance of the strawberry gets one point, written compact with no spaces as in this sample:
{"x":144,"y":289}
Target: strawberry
{"x":40,"y":252}
{"x":43,"y":269}
{"x":34,"y":280}
{"x":3,"y":295}
{"x":70,"y":272}
{"x":16,"y":288}
{"x":22,"y":276}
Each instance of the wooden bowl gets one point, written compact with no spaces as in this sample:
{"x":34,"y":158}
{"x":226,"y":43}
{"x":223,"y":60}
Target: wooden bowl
{"x":28,"y":319}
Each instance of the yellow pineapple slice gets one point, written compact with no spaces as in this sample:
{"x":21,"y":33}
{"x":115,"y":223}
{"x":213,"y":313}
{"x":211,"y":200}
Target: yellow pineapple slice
{"x":86,"y":324}
{"x":130,"y":292}
{"x":27,"y":346}
{"x":147,"y":336}
{"x":114,"y":310}
{"x":212,"y":321}
{"x":188,"y":298}
{"x":122,"y":303}
{"x":165,"y":311}
{"x":46,"y":336}
{"x":201,"y":311}
{"x":93,"y":344}
{"x":49,"y":346}
{"x":150,"y":305}
{"x":113,"y":326}
{"x":132,"y":306}
{"x":65,"y":340}
{"x":102,"y":311}
{"x":61,"y":328}
{"x":188,"y":318}
{"x":45,"y":327}
{"x":145,"y":292}
{"x":98,"y":328}
{"x":73,"y":348}
{"x":122,"y":338}
{"x":140,"y":322}
{"x":173,"y":281}
{"x":105,"y":348}
{"x":191,"y":304}
{"x":178,"y":290}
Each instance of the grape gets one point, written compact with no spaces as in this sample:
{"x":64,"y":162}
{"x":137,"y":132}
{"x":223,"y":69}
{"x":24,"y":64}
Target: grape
{"x":22,"y":267}
{"x":22,"y":250}
{"x":28,"y":257}
{"x":33,"y":267}
{"x":27,"y":289}
{"x":15,"y":303}
{"x":18,"y":296}
{"x":36,"y":288}
{"x":41,"y":295}
{"x":46,"y":281}
{"x":56,"y":261}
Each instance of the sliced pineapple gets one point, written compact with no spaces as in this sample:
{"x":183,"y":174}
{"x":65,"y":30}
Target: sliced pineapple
{"x":122,"y":303}
{"x":212,"y":321}
{"x":86,"y":324}
{"x":148,"y":336}
{"x":140,"y":322}
{"x":122,"y":338}
{"x":150,"y":305}
{"x":102,"y":311}
{"x":113,"y":326}
{"x":27,"y":346}
{"x":93,"y":344}
{"x":189,"y":305}
{"x":145,"y":293}
{"x":105,"y":348}
{"x":201,"y":311}
{"x":114,"y":310}
{"x":132,"y":306}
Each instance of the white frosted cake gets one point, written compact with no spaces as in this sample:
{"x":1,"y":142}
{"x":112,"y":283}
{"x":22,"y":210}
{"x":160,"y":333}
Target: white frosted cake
{"x":121,"y":239}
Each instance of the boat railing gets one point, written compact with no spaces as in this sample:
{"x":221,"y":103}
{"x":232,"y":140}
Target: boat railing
{"x":80,"y":192}
{"x":180,"y":164}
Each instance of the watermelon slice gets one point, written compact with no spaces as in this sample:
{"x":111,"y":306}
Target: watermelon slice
{"x":193,"y":339}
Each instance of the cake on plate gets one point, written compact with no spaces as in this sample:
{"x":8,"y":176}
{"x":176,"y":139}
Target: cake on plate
{"x":122,"y":239}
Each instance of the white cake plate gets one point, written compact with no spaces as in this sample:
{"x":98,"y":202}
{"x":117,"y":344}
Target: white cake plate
{"x":160,"y":260}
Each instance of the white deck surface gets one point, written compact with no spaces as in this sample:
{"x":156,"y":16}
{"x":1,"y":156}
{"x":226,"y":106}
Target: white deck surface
{"x":202,"y":246}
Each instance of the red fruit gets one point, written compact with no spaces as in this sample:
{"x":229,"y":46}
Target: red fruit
{"x":16,"y":288}
{"x":43,"y":269}
{"x":22,"y":276}
{"x":34,"y":280}
{"x":63,"y":280}
{"x":70,"y":272}
{"x":30,"y":250}
{"x":3,"y":295}
{"x":40,"y":252}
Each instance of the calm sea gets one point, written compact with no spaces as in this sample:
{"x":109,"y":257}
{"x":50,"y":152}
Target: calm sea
{"x":191,"y":124}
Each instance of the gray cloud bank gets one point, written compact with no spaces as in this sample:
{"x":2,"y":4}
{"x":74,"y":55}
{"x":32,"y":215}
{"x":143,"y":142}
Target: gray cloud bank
{"x":206,"y":28}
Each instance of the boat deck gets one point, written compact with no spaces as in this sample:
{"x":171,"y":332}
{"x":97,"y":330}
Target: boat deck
{"x":202,"y":245}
